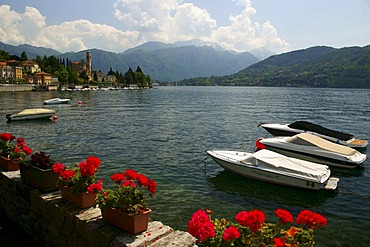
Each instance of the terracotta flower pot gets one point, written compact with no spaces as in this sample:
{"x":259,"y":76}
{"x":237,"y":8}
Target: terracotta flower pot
{"x":8,"y":165}
{"x":132,"y":224}
{"x":45,"y":180}
{"x":82,"y":200}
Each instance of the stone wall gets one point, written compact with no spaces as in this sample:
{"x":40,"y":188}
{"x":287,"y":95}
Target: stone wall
{"x":52,"y":221}
{"x":15,"y":87}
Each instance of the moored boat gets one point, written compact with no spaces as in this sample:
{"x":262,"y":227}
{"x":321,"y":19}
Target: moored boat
{"x":56,"y":101}
{"x":316,"y":149}
{"x":272,"y":167}
{"x":314,"y":129}
{"x":31,"y":114}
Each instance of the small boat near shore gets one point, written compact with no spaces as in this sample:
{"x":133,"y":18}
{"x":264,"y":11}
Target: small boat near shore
{"x":316,"y":149}
{"x":272,"y":167}
{"x":56,"y":101}
{"x":314,"y":129}
{"x":31,"y":114}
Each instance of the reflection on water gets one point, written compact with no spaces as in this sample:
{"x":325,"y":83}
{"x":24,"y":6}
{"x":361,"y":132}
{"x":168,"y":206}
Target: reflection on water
{"x":251,"y":189}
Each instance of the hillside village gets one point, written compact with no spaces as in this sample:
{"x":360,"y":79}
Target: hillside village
{"x":51,"y":73}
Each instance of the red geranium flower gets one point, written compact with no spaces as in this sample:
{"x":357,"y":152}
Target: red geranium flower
{"x":118,"y":178}
{"x":130,"y":174}
{"x":284,"y":216}
{"x":58,"y":167}
{"x":279,"y":242}
{"x":129,"y":183}
{"x":94,"y":161}
{"x":311,"y":219}
{"x":152,"y":187}
{"x":20,"y":141}
{"x":67,"y":174}
{"x":86,"y":169}
{"x":253,"y":219}
{"x":5,"y":137}
{"x":143,"y":180}
{"x":26,"y":150}
{"x":95,"y":187}
{"x":231,"y":233}
{"x":200,"y":226}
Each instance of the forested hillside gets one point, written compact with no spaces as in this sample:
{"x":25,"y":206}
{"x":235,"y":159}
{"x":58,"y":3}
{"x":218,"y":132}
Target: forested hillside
{"x":313,"y":67}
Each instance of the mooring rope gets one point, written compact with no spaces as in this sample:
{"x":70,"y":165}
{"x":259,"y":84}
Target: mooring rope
{"x":205,"y":165}
{"x":355,"y":193}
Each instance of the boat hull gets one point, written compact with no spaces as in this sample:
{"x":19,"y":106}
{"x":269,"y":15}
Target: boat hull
{"x":313,"y":154}
{"x":31,"y":117}
{"x":31,"y":114}
{"x":57,"y":101}
{"x":285,"y":130}
{"x":268,"y":176}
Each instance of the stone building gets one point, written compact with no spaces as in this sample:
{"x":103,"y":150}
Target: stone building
{"x":84,"y":66}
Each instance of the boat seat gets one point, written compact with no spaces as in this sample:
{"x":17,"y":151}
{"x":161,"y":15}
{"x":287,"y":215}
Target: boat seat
{"x":322,"y":143}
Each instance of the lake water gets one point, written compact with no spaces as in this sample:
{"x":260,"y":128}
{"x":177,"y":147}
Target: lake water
{"x":165,"y":133}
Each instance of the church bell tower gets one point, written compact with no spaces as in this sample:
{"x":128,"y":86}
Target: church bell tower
{"x":88,"y":65}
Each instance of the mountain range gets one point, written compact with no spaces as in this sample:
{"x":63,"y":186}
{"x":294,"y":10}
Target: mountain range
{"x":163,"y":62}
{"x":195,"y":63}
{"x":318,"y":66}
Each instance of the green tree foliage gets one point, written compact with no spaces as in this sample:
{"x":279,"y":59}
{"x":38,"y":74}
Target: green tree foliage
{"x":4,"y":55}
{"x":62,"y":74}
{"x":128,"y":77}
{"x":24,"y":56}
{"x":312,"y":67}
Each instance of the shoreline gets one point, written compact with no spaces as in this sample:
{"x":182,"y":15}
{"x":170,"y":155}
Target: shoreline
{"x":16,"y":87}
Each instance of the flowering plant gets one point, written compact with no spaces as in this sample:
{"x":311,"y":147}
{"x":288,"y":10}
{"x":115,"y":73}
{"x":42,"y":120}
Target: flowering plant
{"x":13,"y":150}
{"x":40,"y":160}
{"x":251,"y":229}
{"x":79,"y":178}
{"x":129,"y":193}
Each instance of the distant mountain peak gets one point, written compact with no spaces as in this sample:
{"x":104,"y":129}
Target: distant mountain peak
{"x":261,"y":53}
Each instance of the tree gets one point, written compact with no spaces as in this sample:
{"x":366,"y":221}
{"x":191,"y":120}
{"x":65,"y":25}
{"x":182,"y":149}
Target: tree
{"x":24,"y":56}
{"x":138,"y":69}
{"x":38,"y":60}
{"x":128,"y":77}
{"x":149,"y":81}
{"x":140,"y":79}
{"x":4,"y":55}
{"x":62,"y":74}
{"x":72,"y":75}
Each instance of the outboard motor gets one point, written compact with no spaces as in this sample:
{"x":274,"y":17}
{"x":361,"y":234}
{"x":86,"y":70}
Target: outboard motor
{"x":8,"y":117}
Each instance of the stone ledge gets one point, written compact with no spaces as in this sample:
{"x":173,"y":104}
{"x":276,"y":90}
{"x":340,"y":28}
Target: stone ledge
{"x":52,"y":221}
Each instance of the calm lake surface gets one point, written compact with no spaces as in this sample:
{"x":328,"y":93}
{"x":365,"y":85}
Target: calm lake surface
{"x":165,"y":133}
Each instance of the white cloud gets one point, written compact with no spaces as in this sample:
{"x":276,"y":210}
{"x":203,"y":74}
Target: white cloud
{"x":31,"y":23}
{"x":9,"y":28}
{"x":171,"y":21}
{"x":82,"y":34}
{"x":141,"y":21}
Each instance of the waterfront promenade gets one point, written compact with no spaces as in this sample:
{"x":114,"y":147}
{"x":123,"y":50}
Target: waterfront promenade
{"x":15,"y":87}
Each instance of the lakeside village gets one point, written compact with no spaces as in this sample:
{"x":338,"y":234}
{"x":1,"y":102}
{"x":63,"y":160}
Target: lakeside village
{"x":51,"y":73}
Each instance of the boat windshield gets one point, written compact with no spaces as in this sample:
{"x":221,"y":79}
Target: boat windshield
{"x":307,"y":126}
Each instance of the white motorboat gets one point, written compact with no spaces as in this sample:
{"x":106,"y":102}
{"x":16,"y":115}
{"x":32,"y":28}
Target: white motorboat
{"x":56,"y":101}
{"x":31,"y":114}
{"x":316,"y":149}
{"x":315,"y":129}
{"x":272,"y":167}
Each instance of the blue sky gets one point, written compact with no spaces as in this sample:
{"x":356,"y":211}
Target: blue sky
{"x":240,"y":25}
